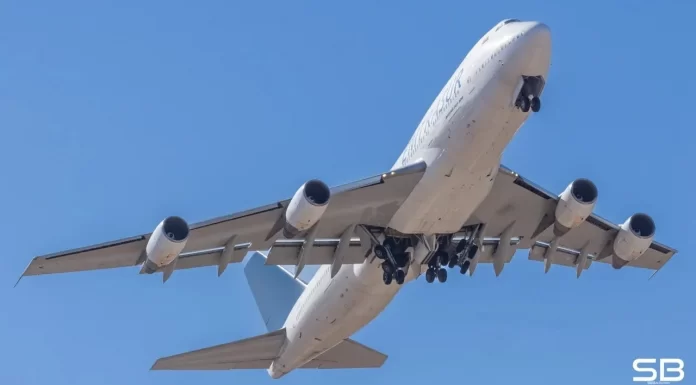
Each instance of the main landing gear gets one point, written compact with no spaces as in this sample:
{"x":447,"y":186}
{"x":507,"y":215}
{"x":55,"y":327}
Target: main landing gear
{"x":529,"y":94}
{"x":394,"y":258}
{"x":450,"y":255}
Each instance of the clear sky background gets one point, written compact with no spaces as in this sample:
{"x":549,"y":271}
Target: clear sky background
{"x":115,"y":114}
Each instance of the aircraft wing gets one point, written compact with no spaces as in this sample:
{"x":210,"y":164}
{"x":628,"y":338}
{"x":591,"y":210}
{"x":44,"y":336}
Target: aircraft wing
{"x":223,"y":240}
{"x":528,"y":211}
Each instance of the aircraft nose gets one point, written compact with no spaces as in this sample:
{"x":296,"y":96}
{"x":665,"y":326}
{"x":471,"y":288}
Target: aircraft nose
{"x":538,"y":36}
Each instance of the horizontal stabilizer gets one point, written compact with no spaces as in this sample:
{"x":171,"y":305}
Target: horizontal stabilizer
{"x":348,"y":354}
{"x":251,"y":353}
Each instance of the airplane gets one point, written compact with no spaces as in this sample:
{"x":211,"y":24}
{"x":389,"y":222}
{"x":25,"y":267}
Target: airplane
{"x":447,"y":202}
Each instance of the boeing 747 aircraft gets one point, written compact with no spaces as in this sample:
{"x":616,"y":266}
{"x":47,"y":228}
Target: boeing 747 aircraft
{"x":447,"y":202}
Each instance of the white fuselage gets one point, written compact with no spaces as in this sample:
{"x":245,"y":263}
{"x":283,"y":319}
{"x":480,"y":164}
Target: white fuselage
{"x":461,"y":138}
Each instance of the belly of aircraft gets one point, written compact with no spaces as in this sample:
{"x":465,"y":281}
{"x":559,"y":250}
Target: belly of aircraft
{"x":458,"y":181}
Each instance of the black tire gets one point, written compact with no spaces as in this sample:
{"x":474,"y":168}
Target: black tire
{"x":536,"y":104}
{"x":400,"y":277}
{"x":461,"y":246}
{"x":380,"y":252}
{"x":452,"y":262}
{"x":387,"y":278}
{"x":442,"y":275}
{"x":402,"y":259}
{"x":465,"y":267}
{"x":524,"y":104}
{"x":430,"y":275}
{"x":387,"y":267}
{"x":442,"y":257}
{"x":472,"y":251}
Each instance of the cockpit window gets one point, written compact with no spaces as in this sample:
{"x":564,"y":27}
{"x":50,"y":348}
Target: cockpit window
{"x":508,"y":21}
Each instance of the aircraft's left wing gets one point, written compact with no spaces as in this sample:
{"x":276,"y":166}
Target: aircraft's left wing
{"x":224,"y":240}
{"x":518,"y":214}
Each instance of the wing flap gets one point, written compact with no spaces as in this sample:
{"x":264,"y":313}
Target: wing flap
{"x":286,"y":252}
{"x":251,"y":353}
{"x":348,"y":354}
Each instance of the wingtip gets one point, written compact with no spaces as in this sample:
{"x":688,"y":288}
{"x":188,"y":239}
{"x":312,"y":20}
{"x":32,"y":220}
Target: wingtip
{"x":24,"y":272}
{"x":18,"y":279}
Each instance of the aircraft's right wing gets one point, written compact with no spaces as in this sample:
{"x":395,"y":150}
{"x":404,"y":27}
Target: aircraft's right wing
{"x":224,"y":240}
{"x":518,"y":214}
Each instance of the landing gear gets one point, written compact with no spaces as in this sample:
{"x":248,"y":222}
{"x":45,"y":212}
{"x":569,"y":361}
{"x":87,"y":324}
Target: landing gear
{"x":442,"y":275}
{"x":523,"y":104}
{"x":529,"y":94}
{"x":443,"y":258}
{"x":380,"y":252}
{"x":400,"y":276}
{"x":430,"y":275}
{"x":437,"y":262}
{"x":387,"y":278}
{"x":536,"y":104}
{"x":465,"y":267}
{"x":395,"y":259}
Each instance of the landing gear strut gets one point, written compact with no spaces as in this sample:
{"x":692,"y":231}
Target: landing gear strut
{"x":449,"y":255}
{"x":395,"y":258}
{"x":529,"y":94}
{"x":435,"y":266}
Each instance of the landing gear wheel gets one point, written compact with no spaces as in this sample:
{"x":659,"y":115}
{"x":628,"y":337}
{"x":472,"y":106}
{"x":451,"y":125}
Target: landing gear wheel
{"x":472,"y":251}
{"x":536,"y":104}
{"x":465,"y":267}
{"x":524,"y":104}
{"x":387,"y":267}
{"x":461,"y":246}
{"x":400,"y":277}
{"x":380,"y":252}
{"x":452,"y":262}
{"x":387,"y":278}
{"x":442,"y":275}
{"x":430,"y":275}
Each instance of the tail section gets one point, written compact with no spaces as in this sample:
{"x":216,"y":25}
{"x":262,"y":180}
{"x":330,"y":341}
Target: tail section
{"x":275,"y":290}
{"x":252,"y":353}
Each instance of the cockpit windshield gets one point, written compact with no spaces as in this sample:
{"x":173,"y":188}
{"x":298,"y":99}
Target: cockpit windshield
{"x":508,"y":21}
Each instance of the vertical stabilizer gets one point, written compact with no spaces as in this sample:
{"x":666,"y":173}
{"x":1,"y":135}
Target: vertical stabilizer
{"x":274,"y":288}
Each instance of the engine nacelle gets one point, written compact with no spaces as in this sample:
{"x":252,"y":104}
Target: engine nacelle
{"x":306,"y":207}
{"x":575,"y":204}
{"x":165,"y":244}
{"x":634,"y":237}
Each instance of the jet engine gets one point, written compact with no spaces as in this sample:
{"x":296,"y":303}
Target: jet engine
{"x":306,"y":207}
{"x":634,"y":237}
{"x":575,"y":204}
{"x":165,"y":243}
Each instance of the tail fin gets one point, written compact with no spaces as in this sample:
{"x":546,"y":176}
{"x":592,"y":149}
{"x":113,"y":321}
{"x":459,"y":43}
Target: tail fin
{"x":274,"y":288}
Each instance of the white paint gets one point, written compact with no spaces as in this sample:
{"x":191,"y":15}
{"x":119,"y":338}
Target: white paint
{"x":629,"y":245}
{"x":302,"y":214}
{"x":461,"y":138}
{"x":570,"y":212}
{"x":162,"y":249}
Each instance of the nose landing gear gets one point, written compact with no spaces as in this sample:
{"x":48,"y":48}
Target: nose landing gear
{"x":529,"y":94}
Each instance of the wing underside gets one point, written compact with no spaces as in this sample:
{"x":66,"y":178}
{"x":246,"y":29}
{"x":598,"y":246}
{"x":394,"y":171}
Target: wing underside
{"x":517,"y":212}
{"x":514,"y":215}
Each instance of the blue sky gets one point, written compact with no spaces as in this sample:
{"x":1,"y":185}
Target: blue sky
{"x":115,"y":114}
